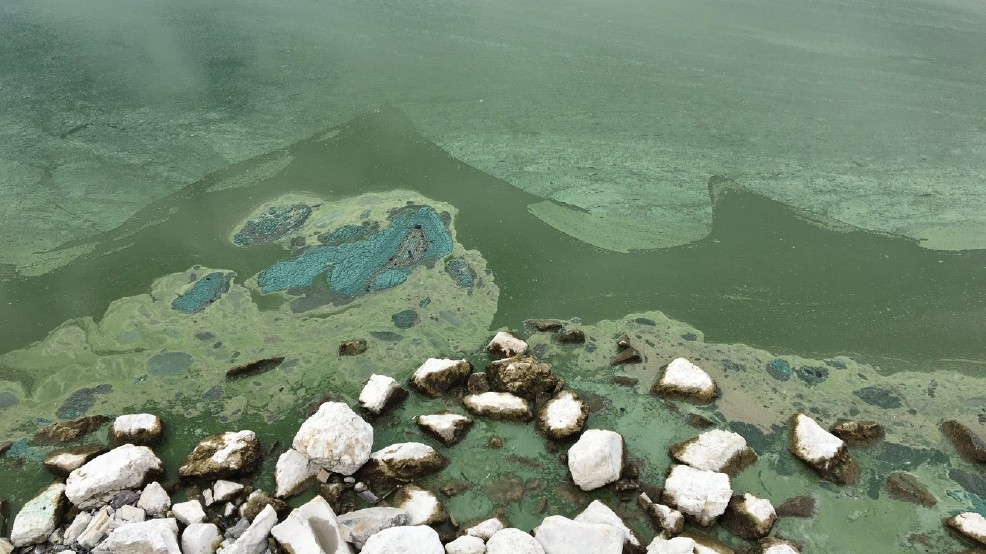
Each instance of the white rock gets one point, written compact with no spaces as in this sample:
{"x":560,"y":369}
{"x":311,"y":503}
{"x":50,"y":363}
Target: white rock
{"x":409,"y":460}
{"x":422,"y":506}
{"x":438,"y":375}
{"x":466,"y":544}
{"x":597,"y":512}
{"x":563,"y":416}
{"x":560,"y":535}
{"x":222,"y":455}
{"x":513,"y":541}
{"x":670,"y":521}
{"x":127,"y":514}
{"x":485,"y":529}
{"x":223,"y":490}
{"x":356,"y":527}
{"x":76,"y":528}
{"x":64,"y":463}
{"x":39,"y":517}
{"x":154,"y":500}
{"x":157,"y":536}
{"x":970,"y":524}
{"x":596,"y":459}
{"x":715,"y":450}
{"x":419,"y":539}
{"x":293,"y":473}
{"x":189,"y":512}
{"x":749,"y":517}
{"x":379,"y":392}
{"x":254,"y":539}
{"x":505,"y":345}
{"x":200,"y":538}
{"x":703,"y":495}
{"x":498,"y":405}
{"x":821,"y":450}
{"x":448,"y":428}
{"x":335,"y":438}
{"x":312,"y":529}
{"x":140,"y":429}
{"x":677,"y":545}
{"x":683,"y":379}
{"x":124,"y":467}
{"x":97,"y":529}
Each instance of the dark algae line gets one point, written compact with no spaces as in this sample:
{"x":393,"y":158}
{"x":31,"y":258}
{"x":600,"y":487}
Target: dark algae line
{"x":767,"y":275}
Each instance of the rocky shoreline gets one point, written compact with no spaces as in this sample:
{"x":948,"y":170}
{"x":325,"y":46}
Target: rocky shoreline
{"x":115,"y":498}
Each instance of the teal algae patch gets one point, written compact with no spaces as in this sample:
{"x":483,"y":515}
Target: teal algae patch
{"x":348,"y":233}
{"x":405,"y":319}
{"x":80,"y":401}
{"x":8,"y":399}
{"x":779,"y":369}
{"x":204,"y":292}
{"x":169,"y":363}
{"x":272,"y":225}
{"x":876,"y":396}
{"x":415,"y":235}
{"x":813,"y":375}
{"x":460,"y":272}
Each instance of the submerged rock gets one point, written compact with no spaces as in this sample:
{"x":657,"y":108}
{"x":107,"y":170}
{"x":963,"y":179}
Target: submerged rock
{"x":596,"y":459}
{"x":857,"y":433}
{"x":797,"y":506}
{"x":749,"y":517}
{"x":521,"y":375}
{"x":139,"y":429}
{"x":416,"y":539}
{"x":822,"y":451}
{"x":498,"y":405}
{"x":684,"y":380}
{"x":506,"y":345}
{"x":381,"y":393}
{"x":68,"y":431}
{"x":124,"y":467}
{"x":353,"y":347}
{"x":437,"y":376}
{"x":335,"y":438}
{"x":700,"y":494}
{"x":223,"y":455}
{"x":715,"y":450}
{"x":447,"y":428}
{"x":64,"y":462}
{"x":970,"y":444}
{"x":39,"y":517}
{"x":563,"y":416}
{"x":560,"y":535}
{"x":571,"y":336}
{"x":905,"y":487}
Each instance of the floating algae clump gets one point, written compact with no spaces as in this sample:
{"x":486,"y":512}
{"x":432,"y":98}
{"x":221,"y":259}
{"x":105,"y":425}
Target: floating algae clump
{"x":272,"y":225}
{"x":415,"y":235}
{"x":779,"y":369}
{"x":460,"y":272}
{"x":205,"y":291}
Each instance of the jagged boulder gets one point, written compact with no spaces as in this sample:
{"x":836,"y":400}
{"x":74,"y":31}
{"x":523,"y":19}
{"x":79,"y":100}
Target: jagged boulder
{"x":598,"y":513}
{"x":521,"y":375}
{"x":749,"y":517}
{"x":446,"y":427}
{"x":357,"y":527}
{"x":335,"y":438}
{"x":822,"y":451}
{"x":293,"y":473}
{"x":715,"y":450}
{"x":560,"y":535}
{"x":381,"y":393}
{"x":422,"y":506}
{"x":157,"y":536}
{"x":701,"y":494}
{"x":596,"y":459}
{"x":124,"y":467}
{"x":563,"y":416}
{"x":505,"y":345}
{"x":39,"y":517}
{"x":438,"y":375}
{"x":312,"y":529}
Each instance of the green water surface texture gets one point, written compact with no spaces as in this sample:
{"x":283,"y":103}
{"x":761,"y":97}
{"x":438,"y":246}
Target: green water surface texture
{"x":767,"y":275}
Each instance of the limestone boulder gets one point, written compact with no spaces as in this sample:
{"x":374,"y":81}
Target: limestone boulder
{"x":139,"y":429}
{"x":357,"y":527}
{"x":563,"y":416}
{"x":560,"y":535}
{"x":466,"y":544}
{"x":446,"y":427}
{"x":505,"y":345}
{"x":189,"y":512}
{"x":749,"y":517}
{"x":970,"y":525}
{"x":416,"y":539}
{"x":312,"y":528}
{"x":513,"y":541}
{"x":405,"y":461}
{"x":381,"y":393}
{"x":39,"y":517}
{"x":498,"y":405}
{"x":596,"y":459}
{"x":715,"y":450}
{"x":683,"y":380}
{"x":439,"y":375}
{"x":822,"y":451}
{"x":200,"y":538}
{"x":422,"y":506}
{"x":522,"y":376}
{"x":156,"y":536}
{"x":154,"y":500}
{"x":224,"y":455}
{"x":64,"y":462}
{"x":293,"y":473}
{"x":703,"y":495}
{"x":124,"y":467}
{"x":598,"y":513}
{"x":335,"y":438}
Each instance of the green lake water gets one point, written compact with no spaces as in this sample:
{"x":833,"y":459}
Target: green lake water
{"x":742,"y":185}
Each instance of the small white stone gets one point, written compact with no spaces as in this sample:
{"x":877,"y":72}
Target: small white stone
{"x":336,"y":438}
{"x":293,"y":473}
{"x":223,"y":490}
{"x":677,"y":545}
{"x":513,"y":541}
{"x":200,"y":538}
{"x":560,"y":535}
{"x":714,"y":450}
{"x":137,"y":429}
{"x":563,"y":416}
{"x":189,"y":512}
{"x":422,"y":506}
{"x":812,"y":443}
{"x":703,"y":495}
{"x":97,"y":529}
{"x":485,"y":529}
{"x":449,"y":428}
{"x":597,"y":512}
{"x":970,"y":524}
{"x":154,"y":500}
{"x":498,"y":405}
{"x":596,"y":459}
{"x":157,"y":536}
{"x":466,"y":544}
{"x":378,"y":393}
{"x":418,"y":539}
{"x":505,"y":345}
{"x":128,"y":514}
{"x":685,"y":379}
{"x":38,"y":518}
{"x":124,"y":467}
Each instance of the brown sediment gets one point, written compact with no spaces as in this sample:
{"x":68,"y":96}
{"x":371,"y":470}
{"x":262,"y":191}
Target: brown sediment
{"x":254,"y":368}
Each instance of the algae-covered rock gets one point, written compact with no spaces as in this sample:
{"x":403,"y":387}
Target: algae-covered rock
{"x":971,"y":445}
{"x":563,"y":416}
{"x":436,"y":376}
{"x":223,"y":455}
{"x":521,"y":375}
